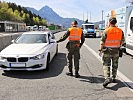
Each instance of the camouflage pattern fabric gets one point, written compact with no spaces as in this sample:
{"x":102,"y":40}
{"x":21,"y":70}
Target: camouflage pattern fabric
{"x":73,"y":52}
{"x":110,"y":59}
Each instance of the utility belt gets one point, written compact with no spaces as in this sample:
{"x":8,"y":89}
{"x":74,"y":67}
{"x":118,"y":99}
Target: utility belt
{"x":110,"y":50}
{"x":114,"y":50}
{"x":72,"y":44}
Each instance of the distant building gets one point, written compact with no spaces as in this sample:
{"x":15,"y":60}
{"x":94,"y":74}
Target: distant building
{"x":54,"y":27}
{"x":9,"y":26}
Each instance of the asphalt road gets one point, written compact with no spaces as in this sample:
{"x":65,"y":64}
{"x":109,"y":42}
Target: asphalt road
{"x":54,"y":84}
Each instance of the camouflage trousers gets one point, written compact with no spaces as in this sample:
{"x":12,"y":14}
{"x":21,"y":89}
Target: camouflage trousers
{"x":73,"y":53}
{"x":108,"y":61}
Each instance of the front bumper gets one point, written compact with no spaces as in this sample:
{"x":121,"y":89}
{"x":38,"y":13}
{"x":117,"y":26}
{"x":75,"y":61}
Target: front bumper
{"x":29,"y":65}
{"x":89,"y":34}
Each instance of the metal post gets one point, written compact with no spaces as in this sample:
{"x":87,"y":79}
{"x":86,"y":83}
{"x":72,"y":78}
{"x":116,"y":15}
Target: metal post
{"x":102,"y":18}
{"x":90,"y":16}
{"x":83,"y":17}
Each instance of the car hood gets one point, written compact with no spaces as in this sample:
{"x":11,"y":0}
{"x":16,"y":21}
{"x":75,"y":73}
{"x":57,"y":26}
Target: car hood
{"x":24,"y":49}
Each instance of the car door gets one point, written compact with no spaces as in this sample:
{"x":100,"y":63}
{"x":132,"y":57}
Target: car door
{"x":52,"y":45}
{"x":129,"y":38}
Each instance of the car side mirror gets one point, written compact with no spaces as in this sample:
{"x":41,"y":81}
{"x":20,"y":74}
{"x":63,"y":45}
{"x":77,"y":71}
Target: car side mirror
{"x":52,"y":41}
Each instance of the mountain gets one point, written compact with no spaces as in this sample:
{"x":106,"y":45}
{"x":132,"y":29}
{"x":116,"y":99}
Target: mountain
{"x":32,"y":10}
{"x":52,"y":17}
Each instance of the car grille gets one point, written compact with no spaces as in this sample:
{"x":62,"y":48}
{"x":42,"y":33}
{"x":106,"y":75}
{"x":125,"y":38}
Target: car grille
{"x":22,"y":59}
{"x":12,"y":59}
{"x":90,"y":32}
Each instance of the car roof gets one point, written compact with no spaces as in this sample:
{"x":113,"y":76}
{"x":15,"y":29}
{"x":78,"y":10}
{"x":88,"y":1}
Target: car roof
{"x":88,"y":24}
{"x":37,"y":32}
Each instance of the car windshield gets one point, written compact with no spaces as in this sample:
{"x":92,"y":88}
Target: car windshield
{"x":32,"y":38}
{"x":88,"y":26}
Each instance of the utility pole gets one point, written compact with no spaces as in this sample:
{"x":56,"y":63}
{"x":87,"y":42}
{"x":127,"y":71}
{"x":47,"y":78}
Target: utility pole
{"x":102,"y":18}
{"x":87,"y":15}
{"x":90,"y":16}
{"x":83,"y":17}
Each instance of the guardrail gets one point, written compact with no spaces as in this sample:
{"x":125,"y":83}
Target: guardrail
{"x":5,"y":39}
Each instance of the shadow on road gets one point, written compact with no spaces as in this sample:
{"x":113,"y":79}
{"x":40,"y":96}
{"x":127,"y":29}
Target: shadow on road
{"x":91,"y":79}
{"x":118,"y":85}
{"x":100,"y":80}
{"x":56,"y":67}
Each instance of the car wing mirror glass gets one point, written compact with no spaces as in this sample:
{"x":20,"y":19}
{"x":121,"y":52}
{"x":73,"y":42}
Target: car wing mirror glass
{"x":52,"y":41}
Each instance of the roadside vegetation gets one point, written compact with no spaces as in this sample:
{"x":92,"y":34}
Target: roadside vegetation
{"x":16,"y":13}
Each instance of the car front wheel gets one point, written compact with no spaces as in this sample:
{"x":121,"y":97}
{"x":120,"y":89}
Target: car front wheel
{"x":47,"y":63}
{"x":94,"y":35}
{"x":56,"y":50}
{"x":6,"y":71}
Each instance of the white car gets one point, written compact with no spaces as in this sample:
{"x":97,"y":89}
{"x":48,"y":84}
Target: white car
{"x":31,"y":51}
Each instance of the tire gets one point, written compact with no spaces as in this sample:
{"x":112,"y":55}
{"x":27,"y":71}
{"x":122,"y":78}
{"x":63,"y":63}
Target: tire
{"x":47,"y":64}
{"x":56,"y":51}
{"x":6,"y":71}
{"x":94,"y":35}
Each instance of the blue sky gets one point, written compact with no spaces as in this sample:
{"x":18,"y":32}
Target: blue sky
{"x":75,"y":8}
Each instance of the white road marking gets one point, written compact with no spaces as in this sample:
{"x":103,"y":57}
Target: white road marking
{"x":121,"y":76}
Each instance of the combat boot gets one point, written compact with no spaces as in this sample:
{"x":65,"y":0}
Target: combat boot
{"x":70,"y":73}
{"x":106,"y":82}
{"x":76,"y":74}
{"x":113,"y":80}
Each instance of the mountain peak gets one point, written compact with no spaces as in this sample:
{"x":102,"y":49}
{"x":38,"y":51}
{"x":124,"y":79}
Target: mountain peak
{"x":46,"y":8}
{"x":52,"y":17}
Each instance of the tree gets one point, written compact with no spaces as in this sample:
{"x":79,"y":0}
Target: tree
{"x":43,"y":22}
{"x":3,"y":11}
{"x":17,"y":15}
{"x":12,"y":12}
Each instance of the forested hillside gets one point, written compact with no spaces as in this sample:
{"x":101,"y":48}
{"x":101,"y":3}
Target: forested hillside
{"x":13,"y":12}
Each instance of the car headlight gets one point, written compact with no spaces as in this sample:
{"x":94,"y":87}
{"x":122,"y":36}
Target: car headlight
{"x":2,"y":58}
{"x":84,"y":31}
{"x":38,"y":57}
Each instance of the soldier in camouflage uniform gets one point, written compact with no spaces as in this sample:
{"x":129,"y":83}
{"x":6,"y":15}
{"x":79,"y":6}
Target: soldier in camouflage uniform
{"x":110,"y":46}
{"x":74,"y":35}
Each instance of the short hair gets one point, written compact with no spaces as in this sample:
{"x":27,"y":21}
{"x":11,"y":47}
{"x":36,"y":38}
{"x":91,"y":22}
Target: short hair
{"x":113,"y":20}
{"x":75,"y":22}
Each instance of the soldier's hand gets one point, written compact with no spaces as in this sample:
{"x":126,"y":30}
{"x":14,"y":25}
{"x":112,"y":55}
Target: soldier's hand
{"x":80,"y":45}
{"x":100,"y":53}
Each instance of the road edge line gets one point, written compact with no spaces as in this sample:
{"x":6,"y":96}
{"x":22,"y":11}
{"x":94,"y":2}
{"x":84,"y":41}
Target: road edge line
{"x":121,"y":76}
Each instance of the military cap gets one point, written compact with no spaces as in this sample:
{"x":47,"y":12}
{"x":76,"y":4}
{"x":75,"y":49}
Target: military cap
{"x":113,"y":20}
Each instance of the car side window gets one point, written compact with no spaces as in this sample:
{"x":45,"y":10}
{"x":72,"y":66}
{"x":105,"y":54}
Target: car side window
{"x":131,"y":23}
